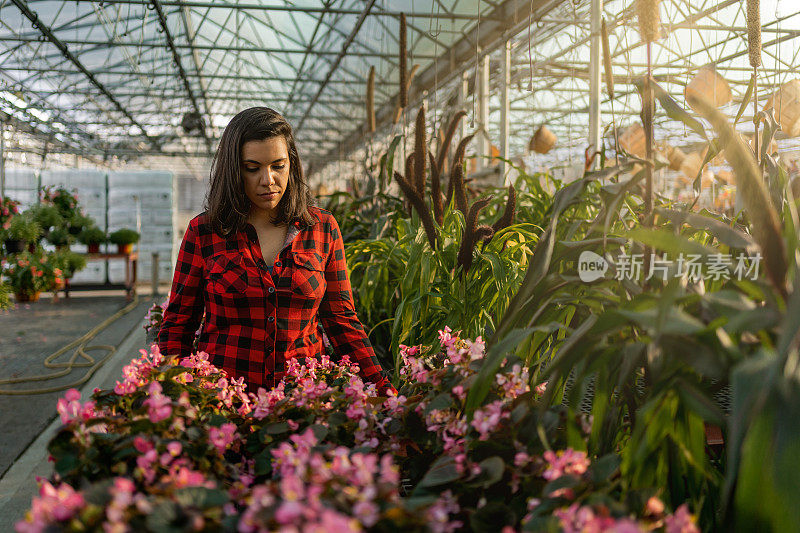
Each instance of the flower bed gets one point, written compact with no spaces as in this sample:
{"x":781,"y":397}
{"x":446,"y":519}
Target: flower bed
{"x":179,"y":446}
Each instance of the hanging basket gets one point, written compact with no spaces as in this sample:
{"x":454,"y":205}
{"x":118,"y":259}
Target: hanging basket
{"x":710,"y":86}
{"x":542,"y":141}
{"x":692,"y":165}
{"x":632,"y":140}
{"x":674,"y":155}
{"x":786,"y":103}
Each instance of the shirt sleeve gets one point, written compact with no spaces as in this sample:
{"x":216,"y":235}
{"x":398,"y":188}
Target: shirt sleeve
{"x":186,"y":304}
{"x":338,"y":316}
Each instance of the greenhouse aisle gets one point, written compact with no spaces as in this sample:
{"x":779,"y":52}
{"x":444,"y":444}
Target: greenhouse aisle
{"x":34,"y":331}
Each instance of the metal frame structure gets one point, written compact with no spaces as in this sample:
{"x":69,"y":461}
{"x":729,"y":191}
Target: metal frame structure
{"x":109,"y":80}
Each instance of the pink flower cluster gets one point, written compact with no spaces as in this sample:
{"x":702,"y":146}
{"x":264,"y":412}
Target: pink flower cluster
{"x":564,"y":462}
{"x":486,"y":420}
{"x":579,"y":519}
{"x":223,"y":436}
{"x":54,"y":504}
{"x":333,"y":489}
{"x":70,"y":408}
{"x":159,"y":407}
{"x":137,"y":373}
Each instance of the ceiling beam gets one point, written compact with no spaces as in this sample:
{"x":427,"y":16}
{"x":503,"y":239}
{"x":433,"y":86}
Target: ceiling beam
{"x":252,"y":6}
{"x":48,"y":34}
{"x":162,"y":19}
{"x":212,"y":47}
{"x":350,"y":38}
{"x":500,"y":23}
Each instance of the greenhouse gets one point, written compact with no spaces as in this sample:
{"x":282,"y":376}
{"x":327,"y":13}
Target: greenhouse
{"x":415,"y":266}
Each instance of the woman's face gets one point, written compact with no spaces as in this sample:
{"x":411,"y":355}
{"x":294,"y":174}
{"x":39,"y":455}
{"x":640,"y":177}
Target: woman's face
{"x":265,"y":171}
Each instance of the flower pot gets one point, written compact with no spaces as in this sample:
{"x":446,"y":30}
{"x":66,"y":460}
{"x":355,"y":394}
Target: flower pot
{"x":93,"y":248}
{"x":124,"y":248}
{"x":23,"y":297}
{"x":14,"y":246}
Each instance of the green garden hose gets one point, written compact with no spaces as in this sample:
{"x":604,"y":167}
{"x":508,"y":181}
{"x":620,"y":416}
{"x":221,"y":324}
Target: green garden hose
{"x":80,"y":352}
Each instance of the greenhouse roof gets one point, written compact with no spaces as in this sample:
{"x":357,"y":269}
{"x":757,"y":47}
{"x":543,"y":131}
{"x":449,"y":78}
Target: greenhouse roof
{"x":129,"y":78}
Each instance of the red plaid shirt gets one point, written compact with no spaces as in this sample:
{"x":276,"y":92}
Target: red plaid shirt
{"x":256,"y":320}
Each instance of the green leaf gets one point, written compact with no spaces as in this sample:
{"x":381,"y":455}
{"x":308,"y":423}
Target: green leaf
{"x":276,"y":428}
{"x":491,"y":518}
{"x":745,"y":99}
{"x":201,"y":497}
{"x":603,"y":468}
{"x":492,"y":470}
{"x":442,"y":471}
{"x":676,"y":112}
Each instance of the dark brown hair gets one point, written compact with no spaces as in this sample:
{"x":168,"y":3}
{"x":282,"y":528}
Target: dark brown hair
{"x":227,"y":205}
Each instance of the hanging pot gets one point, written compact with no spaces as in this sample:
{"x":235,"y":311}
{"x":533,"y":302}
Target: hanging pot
{"x":14,"y":246}
{"x":632,"y":140}
{"x":707,"y":85}
{"x":786,"y":103}
{"x":93,"y":248}
{"x":542,"y":141}
{"x":124,"y":248}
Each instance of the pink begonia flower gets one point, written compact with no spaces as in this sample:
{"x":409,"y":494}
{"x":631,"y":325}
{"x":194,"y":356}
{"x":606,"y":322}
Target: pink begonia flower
{"x":174,"y":448}
{"x":487,"y":419}
{"x":366,"y":512}
{"x":459,"y":392}
{"x":186,"y":477}
{"x":222,"y":436}
{"x":265,"y":401}
{"x":54,"y":504}
{"x":476,"y":348}
{"x":438,"y":514}
{"x":70,"y":407}
{"x":680,"y":522}
{"x":289,"y":512}
{"x":521,"y":459}
{"x":145,"y":463}
{"x":564,"y":462}
{"x":394,"y":403}
{"x":654,"y":506}
{"x":159,"y":407}
{"x":142,"y":445}
{"x":577,"y":519}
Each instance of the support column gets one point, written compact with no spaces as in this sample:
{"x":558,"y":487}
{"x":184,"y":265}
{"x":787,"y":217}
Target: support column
{"x":505,"y":107}
{"x":482,"y":122}
{"x":595,"y":58}
{"x":2,"y":160}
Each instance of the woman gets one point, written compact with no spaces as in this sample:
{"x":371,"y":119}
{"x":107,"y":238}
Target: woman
{"x":264,"y":265}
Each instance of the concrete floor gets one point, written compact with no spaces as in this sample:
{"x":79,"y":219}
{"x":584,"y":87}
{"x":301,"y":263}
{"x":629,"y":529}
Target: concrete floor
{"x":28,"y":335}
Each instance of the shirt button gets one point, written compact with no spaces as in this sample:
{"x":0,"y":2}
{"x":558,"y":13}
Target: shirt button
{"x":277,"y":263}
{"x":271,"y":319}
{"x":271,"y":290}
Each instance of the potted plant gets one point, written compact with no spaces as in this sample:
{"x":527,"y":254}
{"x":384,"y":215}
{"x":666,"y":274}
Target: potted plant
{"x":124,"y":239}
{"x":47,"y":216}
{"x":65,"y":201}
{"x":8,"y":209}
{"x":92,"y":237}
{"x":21,"y":229}
{"x":68,"y":262}
{"x":78,"y":221}
{"x":29,"y":274}
{"x":60,"y":237}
